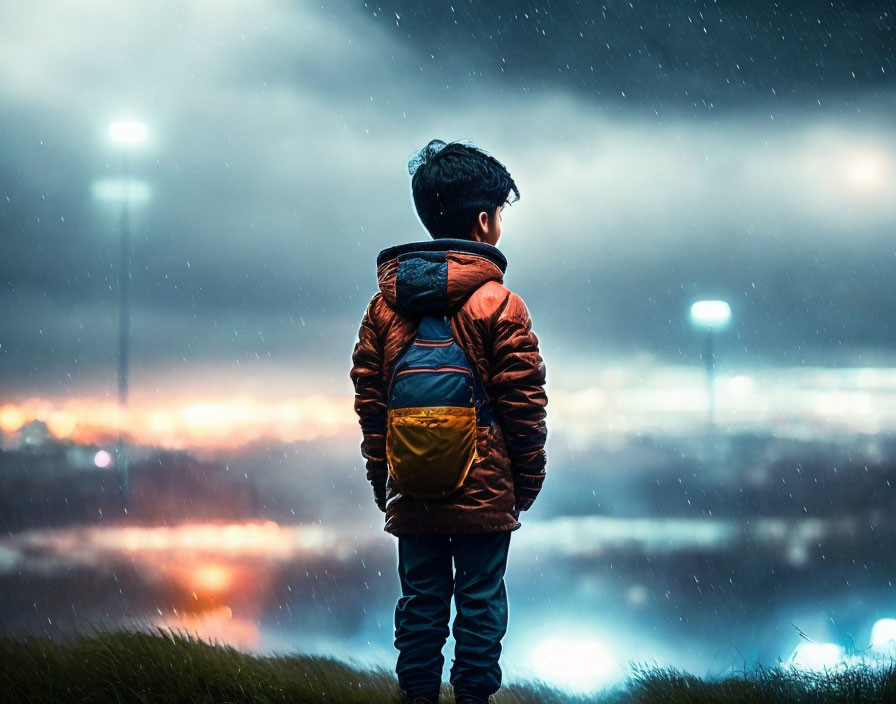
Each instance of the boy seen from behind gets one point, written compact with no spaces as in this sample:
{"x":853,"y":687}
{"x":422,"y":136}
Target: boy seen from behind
{"x":449,"y":391}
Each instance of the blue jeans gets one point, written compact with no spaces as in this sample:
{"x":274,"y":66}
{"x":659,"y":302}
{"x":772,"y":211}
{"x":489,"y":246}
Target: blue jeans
{"x":424,"y":609}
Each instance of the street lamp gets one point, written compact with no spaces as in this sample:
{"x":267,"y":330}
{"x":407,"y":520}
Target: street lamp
{"x":125,"y":135}
{"x":710,"y":316}
{"x":127,"y":132}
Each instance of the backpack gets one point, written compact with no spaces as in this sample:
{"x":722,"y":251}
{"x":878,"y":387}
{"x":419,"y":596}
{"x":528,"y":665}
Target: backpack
{"x":435,"y":401}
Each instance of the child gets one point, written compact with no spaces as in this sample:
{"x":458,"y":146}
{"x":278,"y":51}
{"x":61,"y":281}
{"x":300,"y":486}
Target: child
{"x":459,"y":192}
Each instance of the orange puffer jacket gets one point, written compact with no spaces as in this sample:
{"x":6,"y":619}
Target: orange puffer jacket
{"x":462,"y":279}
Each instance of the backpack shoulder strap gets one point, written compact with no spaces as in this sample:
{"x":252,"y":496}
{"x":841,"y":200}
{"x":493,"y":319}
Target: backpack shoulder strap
{"x":483,"y":404}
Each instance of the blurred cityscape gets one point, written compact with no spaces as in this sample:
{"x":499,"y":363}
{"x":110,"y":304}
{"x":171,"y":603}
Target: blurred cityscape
{"x":696,"y":548}
{"x":50,"y":482}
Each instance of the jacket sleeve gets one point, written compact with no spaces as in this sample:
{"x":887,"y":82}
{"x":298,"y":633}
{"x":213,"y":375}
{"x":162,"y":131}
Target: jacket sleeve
{"x":370,"y":403}
{"x":518,"y":397}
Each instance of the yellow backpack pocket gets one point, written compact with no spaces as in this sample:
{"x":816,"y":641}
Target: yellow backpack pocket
{"x":430,"y":450}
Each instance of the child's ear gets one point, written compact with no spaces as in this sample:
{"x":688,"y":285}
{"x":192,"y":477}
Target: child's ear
{"x":480,"y":227}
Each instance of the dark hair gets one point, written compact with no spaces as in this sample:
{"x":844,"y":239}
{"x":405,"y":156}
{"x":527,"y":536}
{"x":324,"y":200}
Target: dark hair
{"x":452,"y":183}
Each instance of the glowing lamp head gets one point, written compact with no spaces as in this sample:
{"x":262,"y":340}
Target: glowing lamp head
{"x":102,"y":459}
{"x":710,"y":314}
{"x":128,"y":133}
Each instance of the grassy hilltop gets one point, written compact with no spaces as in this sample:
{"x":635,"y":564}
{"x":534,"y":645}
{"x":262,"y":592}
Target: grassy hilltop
{"x":168,"y":667}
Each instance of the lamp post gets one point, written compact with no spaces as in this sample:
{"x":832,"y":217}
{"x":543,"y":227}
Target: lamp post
{"x":125,"y":135}
{"x":710,"y":316}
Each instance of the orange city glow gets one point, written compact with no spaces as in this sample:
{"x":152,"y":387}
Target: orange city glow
{"x":215,"y":576}
{"x":211,"y":578}
{"x":204,"y":585}
{"x":587,"y":403}
{"x":180,"y":423}
{"x":215,"y":625}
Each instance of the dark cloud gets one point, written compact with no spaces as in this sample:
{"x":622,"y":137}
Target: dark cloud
{"x":695,"y":57}
{"x":279,"y":137}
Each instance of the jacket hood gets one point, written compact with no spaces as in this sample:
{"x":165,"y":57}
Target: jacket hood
{"x":436,"y":276}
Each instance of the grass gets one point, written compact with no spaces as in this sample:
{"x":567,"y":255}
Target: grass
{"x":164,"y":666}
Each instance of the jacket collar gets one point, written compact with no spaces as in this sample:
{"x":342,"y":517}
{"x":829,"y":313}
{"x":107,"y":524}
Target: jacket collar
{"x":436,"y":276}
{"x":446,"y":244}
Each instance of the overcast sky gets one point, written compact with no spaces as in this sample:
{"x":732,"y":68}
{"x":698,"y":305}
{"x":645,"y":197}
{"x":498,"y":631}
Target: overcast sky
{"x":665,"y":152}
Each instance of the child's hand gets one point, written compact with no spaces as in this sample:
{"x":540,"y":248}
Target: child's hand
{"x":522,"y":503}
{"x":379,"y":495}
